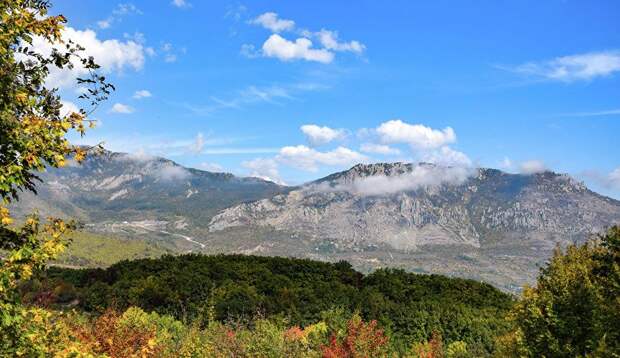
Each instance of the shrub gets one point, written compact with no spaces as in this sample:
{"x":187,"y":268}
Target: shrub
{"x":362,"y":340}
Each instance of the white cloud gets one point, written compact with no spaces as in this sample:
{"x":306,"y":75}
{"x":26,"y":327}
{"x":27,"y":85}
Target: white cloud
{"x":329,"y":40}
{"x":416,"y":135}
{"x":285,"y":50}
{"x":609,"y":181}
{"x":317,"y":135}
{"x":171,"y":172}
{"x":532,"y":167}
{"x":379,"y":149}
{"x":169,"y":58}
{"x":139,"y":155}
{"x":609,"y":112}
{"x":68,"y":108}
{"x":249,"y":51}
{"x":180,"y":3}
{"x":422,"y":176}
{"x":309,"y":159}
{"x":198,"y":144}
{"x":125,"y":9}
{"x":252,"y":95}
{"x":585,"y":66}
{"x":121,"y":108}
{"x":506,"y":163}
{"x":142,"y":94}
{"x":266,"y":94}
{"x":211,"y":167}
{"x":235,"y":12}
{"x":264,"y":168}
{"x":447,"y":156}
{"x":270,"y":21}
{"x":112,"y":55}
{"x":614,"y":178}
{"x":170,"y":53}
{"x":118,"y":13}
{"x":104,"y":24}
{"x":302,"y":48}
{"x":136,"y":36}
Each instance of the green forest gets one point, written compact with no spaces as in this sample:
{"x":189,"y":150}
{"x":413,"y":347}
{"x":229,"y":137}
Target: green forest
{"x":252,"y":306}
{"x":409,"y":307}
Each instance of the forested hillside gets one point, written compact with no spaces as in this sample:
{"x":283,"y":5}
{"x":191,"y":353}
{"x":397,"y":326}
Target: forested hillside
{"x":248,"y":306}
{"x":241,"y":288}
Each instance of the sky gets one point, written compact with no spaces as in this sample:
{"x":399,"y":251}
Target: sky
{"x":295,"y":90}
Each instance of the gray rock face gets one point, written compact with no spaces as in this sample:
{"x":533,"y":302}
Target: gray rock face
{"x":117,"y":187}
{"x":483,"y":207}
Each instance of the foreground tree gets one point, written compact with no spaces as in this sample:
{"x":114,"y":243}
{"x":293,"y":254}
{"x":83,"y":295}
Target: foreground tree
{"x":33,"y":136}
{"x":574,"y":310}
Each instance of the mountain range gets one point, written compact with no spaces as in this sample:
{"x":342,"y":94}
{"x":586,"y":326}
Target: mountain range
{"x":476,"y":223}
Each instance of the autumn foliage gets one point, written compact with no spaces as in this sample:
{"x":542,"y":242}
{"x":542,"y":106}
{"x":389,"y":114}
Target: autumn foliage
{"x":362,"y":340}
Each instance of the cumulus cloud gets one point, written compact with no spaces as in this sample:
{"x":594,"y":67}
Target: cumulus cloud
{"x":447,"y":156}
{"x":142,"y":94}
{"x":302,"y":48}
{"x":317,"y":135}
{"x":112,"y":55}
{"x":285,"y":50}
{"x":271,"y":21}
{"x":532,"y":167}
{"x":121,"y":108}
{"x":264,"y":168}
{"x":416,"y":135}
{"x":422,"y":176}
{"x":329,"y":40}
{"x":309,"y":159}
{"x":587,"y":66}
{"x":379,"y":149}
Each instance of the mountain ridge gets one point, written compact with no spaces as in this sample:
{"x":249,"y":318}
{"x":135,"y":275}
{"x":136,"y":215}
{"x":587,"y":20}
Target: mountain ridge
{"x":477,"y":223}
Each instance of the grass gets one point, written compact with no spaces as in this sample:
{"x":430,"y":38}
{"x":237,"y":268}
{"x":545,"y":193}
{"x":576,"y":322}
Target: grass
{"x":93,"y":250}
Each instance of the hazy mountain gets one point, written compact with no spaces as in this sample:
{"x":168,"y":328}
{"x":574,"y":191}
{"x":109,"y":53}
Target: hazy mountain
{"x":130,"y":194}
{"x":479,"y":223}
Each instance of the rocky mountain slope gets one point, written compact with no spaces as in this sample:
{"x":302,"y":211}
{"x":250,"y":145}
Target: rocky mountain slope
{"x":429,"y":215}
{"x":455,"y":207}
{"x":126,"y":194}
{"x":477,"y":223}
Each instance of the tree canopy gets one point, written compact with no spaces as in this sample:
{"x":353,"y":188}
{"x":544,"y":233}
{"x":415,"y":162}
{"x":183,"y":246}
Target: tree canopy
{"x":33,"y":136}
{"x":574,"y":309}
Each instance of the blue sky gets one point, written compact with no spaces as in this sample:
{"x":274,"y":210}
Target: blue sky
{"x":296,"y":90}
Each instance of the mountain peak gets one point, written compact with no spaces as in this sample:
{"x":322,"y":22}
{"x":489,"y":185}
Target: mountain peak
{"x":364,"y":170}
